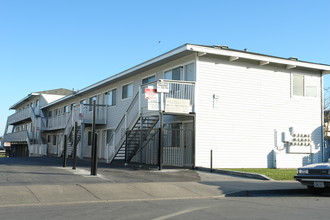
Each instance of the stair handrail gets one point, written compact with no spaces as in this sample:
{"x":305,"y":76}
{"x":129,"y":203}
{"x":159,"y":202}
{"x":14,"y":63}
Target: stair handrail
{"x":148,"y":130}
{"x":117,"y":144}
{"x":146,"y":141}
{"x":67,"y":128}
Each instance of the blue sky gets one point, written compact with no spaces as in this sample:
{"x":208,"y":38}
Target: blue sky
{"x":49,"y":44}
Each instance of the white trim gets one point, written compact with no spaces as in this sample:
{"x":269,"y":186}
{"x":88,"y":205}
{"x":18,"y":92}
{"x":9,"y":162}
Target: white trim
{"x":233,"y":58}
{"x":260,"y":57}
{"x":263,"y":63}
{"x":290,"y":67}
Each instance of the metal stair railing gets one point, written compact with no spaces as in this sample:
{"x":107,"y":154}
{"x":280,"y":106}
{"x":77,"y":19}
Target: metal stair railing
{"x":70,"y":140}
{"x":67,"y":130}
{"x":118,"y":137}
{"x":148,"y":134}
{"x":142,"y":134}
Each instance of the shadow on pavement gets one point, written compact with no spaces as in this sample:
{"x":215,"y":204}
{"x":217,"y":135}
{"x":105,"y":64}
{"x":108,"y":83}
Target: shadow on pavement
{"x":278,"y":193}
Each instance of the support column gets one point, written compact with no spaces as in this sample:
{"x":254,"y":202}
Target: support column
{"x":74,"y":162}
{"x":65,"y":152}
{"x":94,"y":146}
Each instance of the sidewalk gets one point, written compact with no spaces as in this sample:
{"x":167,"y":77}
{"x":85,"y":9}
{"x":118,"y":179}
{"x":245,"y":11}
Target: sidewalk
{"x":42,"y":181}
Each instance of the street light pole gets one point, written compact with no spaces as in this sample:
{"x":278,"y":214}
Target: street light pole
{"x":94,"y":145}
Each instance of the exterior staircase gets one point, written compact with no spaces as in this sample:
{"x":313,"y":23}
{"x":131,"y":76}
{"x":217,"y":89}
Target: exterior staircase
{"x":70,"y":141}
{"x":136,"y":138}
{"x":139,"y":134}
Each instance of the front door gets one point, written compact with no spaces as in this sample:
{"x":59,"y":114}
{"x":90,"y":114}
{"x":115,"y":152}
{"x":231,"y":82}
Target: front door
{"x":178,"y":144}
{"x":188,"y":136}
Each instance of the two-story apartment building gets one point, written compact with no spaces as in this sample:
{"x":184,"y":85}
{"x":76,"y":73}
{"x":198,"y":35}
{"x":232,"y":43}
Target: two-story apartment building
{"x":249,"y":109}
{"x":25,"y":125}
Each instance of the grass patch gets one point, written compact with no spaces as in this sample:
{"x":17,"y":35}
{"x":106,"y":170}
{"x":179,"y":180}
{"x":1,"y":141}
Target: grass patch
{"x":276,"y":174}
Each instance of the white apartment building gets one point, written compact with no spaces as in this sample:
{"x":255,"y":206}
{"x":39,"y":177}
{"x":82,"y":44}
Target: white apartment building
{"x":249,"y":109}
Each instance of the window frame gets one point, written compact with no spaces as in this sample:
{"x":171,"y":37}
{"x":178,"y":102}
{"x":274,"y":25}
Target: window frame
{"x":148,"y":81}
{"x":183,"y":73}
{"x":113,"y":99}
{"x":308,"y":82}
{"x":122,"y":91}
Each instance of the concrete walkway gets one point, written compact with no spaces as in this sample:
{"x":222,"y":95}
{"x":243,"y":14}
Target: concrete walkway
{"x":43,"y":181}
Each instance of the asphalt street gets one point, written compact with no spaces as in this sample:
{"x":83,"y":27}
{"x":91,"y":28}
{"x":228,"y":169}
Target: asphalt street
{"x":40,"y":188}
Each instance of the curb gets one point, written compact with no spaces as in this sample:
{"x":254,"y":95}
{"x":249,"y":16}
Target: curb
{"x":235,"y":173}
{"x":263,"y":193}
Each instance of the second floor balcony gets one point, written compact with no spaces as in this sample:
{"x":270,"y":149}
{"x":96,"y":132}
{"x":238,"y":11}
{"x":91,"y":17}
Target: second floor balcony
{"x":81,"y":113}
{"x":170,"y":96}
{"x":20,"y":136}
{"x":23,"y":115}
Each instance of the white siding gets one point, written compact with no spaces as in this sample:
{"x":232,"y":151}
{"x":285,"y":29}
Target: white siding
{"x":253,"y":102}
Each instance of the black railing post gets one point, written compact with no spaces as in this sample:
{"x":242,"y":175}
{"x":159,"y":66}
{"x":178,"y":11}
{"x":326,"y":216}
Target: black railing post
{"x":211,"y":160}
{"x":74,"y":162}
{"x":160,"y":152}
{"x":126,"y":148}
{"x":65,"y":151}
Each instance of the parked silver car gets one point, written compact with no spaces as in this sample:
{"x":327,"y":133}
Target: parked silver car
{"x":314,"y":176}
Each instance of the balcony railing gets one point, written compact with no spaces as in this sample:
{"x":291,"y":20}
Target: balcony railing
{"x":19,"y":116}
{"x":82,"y":113}
{"x":175,"y":97}
{"x":16,"y":137}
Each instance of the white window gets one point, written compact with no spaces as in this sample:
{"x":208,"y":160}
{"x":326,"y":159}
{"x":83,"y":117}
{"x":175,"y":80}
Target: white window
{"x":186,"y":73}
{"x":149,"y":79}
{"x":174,"y":74}
{"x":127,"y":91}
{"x":112,"y":94}
{"x":298,"y":85}
{"x":66,"y":109}
{"x":72,"y":106}
{"x":189,"y":72}
{"x":304,"y":85}
{"x":311,"y":86}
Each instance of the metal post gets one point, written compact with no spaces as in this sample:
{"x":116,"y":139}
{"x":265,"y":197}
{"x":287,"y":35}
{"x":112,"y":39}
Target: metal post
{"x":160,"y":151}
{"x":74,"y":162}
{"x":211,"y":161}
{"x":95,"y":154}
{"x":126,"y":148}
{"x":193,"y":143}
{"x":160,"y":143}
{"x":93,"y":160}
{"x":65,"y":152}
